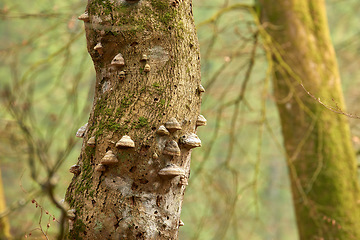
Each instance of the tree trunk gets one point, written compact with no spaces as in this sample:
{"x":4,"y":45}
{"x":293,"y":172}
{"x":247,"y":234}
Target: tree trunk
{"x":147,"y":62}
{"x":4,"y":223}
{"x":321,"y":159}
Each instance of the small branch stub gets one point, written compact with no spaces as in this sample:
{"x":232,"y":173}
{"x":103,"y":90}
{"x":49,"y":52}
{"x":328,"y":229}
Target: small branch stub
{"x":84,"y":17}
{"x":81,"y":131}
{"x":75,"y":169}
{"x":201,"y":121}
{"x":191,"y":140}
{"x":91,"y":142}
{"x":109,"y":158}
{"x":173,"y":125}
{"x":171,"y":170}
{"x":162,"y":131}
{"x":125,"y":142}
{"x":172,"y":148}
{"x":118,"y":61}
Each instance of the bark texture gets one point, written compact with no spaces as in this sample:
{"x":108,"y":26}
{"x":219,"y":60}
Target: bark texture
{"x":321,"y":160}
{"x":4,"y":223}
{"x":130,"y":200}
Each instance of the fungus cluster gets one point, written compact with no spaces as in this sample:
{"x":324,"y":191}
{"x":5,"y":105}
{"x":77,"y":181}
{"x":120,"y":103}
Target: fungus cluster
{"x":109,"y":158}
{"x":172,"y":149}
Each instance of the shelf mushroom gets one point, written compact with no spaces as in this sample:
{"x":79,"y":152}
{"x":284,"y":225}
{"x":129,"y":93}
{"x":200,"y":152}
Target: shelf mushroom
{"x":173,"y":125}
{"x":125,"y":142}
{"x":109,"y":158}
{"x":171,"y":170}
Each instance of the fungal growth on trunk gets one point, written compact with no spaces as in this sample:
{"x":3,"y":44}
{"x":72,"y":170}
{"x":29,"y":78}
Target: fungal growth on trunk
{"x":109,"y":158}
{"x":173,"y":125}
{"x":118,"y":60}
{"x":162,"y":131}
{"x":91,"y":142}
{"x":190,"y":140}
{"x":81,"y":131}
{"x":75,"y":169}
{"x":135,"y":158}
{"x":171,"y":148}
{"x":125,"y":142}
{"x":84,"y":17}
{"x":147,"y":68}
{"x":201,"y":121}
{"x":201,"y":89}
{"x":172,"y":171}
{"x":99,"y":48}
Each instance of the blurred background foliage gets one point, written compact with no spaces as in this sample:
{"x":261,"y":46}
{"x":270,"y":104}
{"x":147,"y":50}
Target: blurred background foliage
{"x":238,"y":186}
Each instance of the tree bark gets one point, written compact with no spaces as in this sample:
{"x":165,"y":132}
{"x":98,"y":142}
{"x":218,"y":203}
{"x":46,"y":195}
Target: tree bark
{"x":321,"y":160}
{"x":136,"y":94}
{"x":4,"y":223}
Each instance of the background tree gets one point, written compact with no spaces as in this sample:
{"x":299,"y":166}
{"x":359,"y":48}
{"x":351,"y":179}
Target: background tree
{"x":4,"y":223}
{"x":320,"y":157}
{"x":135,"y":160}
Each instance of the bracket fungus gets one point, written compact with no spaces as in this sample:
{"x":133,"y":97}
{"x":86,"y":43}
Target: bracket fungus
{"x":181,"y":223}
{"x":201,"y":89}
{"x":172,"y":148}
{"x":84,"y":17}
{"x":162,"y":131}
{"x":201,"y":121}
{"x":144,"y":58}
{"x":147,"y":68}
{"x":173,"y":125}
{"x":125,"y":142}
{"x":81,"y":131}
{"x":122,"y":75}
{"x":191,"y":140}
{"x":118,"y":61}
{"x":100,"y":168}
{"x":91,"y":142}
{"x":75,"y":169}
{"x":155,"y":156}
{"x":171,"y":170}
{"x":71,"y":214}
{"x":109,"y":158}
{"x":99,"y":48}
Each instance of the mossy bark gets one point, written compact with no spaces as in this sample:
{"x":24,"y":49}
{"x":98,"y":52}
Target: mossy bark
{"x":130,"y":200}
{"x":321,"y":159}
